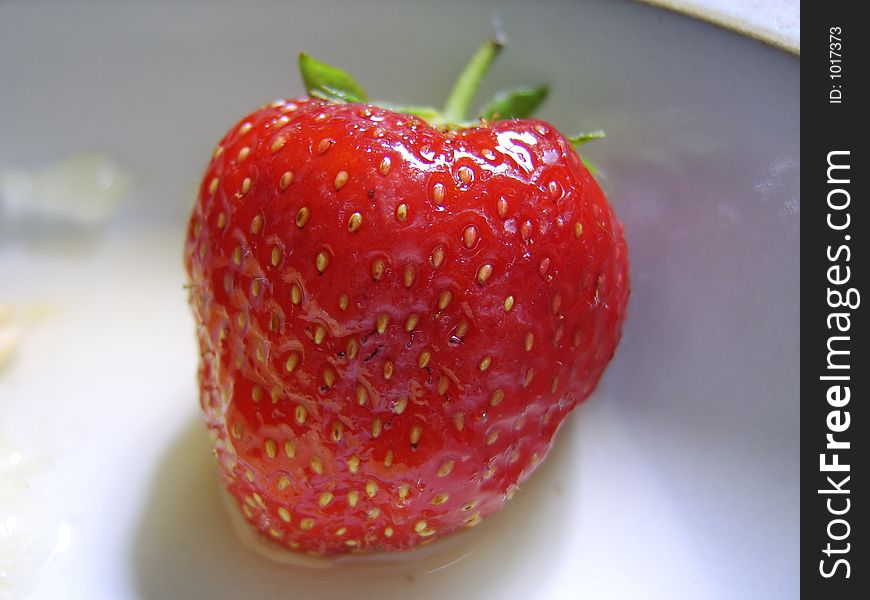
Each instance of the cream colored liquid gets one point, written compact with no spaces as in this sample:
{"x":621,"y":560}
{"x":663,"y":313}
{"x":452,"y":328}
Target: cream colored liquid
{"x":30,"y":532}
{"x":430,"y":557}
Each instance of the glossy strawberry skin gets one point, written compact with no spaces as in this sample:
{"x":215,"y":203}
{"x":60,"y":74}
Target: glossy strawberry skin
{"x":394,"y":320}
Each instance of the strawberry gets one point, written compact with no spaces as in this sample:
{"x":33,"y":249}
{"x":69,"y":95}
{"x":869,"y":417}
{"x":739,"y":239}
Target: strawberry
{"x":396,"y":309}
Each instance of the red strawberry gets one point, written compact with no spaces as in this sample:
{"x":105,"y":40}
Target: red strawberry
{"x":394,"y":316}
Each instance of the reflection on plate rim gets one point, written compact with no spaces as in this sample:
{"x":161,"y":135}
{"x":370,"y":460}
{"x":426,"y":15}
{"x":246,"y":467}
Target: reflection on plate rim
{"x":753,"y":29}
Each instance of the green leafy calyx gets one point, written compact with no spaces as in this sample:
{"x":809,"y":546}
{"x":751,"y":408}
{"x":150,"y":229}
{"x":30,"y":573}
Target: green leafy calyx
{"x":336,"y":85}
{"x":520,"y":103}
{"x":329,"y":83}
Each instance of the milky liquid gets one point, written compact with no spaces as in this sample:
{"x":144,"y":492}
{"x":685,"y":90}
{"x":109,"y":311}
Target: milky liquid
{"x":430,"y":557}
{"x":31,"y":534}
{"x":86,"y":189}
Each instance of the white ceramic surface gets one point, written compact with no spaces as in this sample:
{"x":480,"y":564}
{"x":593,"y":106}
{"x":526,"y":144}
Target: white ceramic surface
{"x":678,"y":479}
{"x":775,"y":21}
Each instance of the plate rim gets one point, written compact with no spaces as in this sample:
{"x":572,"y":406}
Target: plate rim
{"x":748,"y":28}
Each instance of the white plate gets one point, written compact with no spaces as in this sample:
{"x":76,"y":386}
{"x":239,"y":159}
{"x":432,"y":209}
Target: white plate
{"x":678,"y":479}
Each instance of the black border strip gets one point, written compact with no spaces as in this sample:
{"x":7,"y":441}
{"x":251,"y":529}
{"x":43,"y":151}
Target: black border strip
{"x":834,"y":369}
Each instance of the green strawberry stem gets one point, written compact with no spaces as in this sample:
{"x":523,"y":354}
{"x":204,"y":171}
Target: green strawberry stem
{"x":469,"y":80}
{"x":330,"y":83}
